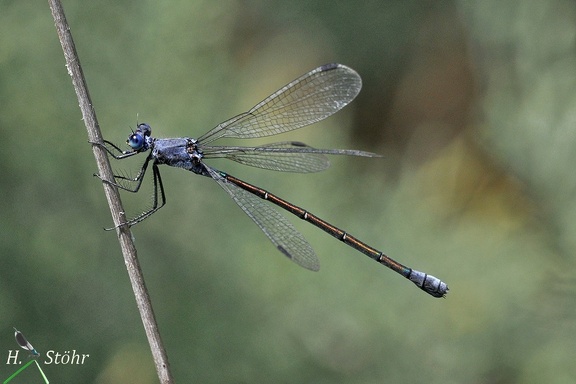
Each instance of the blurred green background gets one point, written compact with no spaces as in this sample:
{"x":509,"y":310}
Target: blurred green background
{"x":472,"y":104}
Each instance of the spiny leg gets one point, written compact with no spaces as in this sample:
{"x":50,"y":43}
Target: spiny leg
{"x":122,"y":154}
{"x":138,"y":179}
{"x":158,"y":189}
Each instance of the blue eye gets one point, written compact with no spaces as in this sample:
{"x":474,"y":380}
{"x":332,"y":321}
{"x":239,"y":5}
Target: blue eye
{"x":136,"y":141}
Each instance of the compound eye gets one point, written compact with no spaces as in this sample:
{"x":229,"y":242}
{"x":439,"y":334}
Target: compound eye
{"x":136,"y":141}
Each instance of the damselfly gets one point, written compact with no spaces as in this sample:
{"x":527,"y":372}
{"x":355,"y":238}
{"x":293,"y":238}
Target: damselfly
{"x":21,"y":340}
{"x":24,"y":343}
{"x":306,"y":100}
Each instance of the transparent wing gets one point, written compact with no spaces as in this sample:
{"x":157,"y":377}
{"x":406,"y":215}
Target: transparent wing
{"x":275,"y":226}
{"x":288,"y":156}
{"x":285,"y":156}
{"x":306,"y":100}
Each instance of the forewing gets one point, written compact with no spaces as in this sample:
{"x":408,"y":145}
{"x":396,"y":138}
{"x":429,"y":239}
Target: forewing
{"x":306,"y":100}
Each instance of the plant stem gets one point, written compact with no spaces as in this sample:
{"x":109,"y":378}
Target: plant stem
{"x":112,"y":195}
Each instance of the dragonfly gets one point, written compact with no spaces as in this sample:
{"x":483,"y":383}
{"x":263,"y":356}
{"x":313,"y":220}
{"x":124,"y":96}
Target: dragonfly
{"x":310,"y":98}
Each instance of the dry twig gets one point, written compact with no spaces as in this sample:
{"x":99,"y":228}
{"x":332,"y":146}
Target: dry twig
{"x":112,"y":195}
